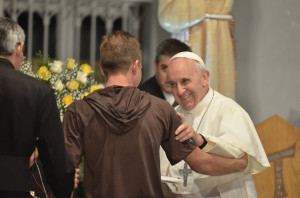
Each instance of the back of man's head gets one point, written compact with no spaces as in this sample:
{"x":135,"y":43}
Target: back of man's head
{"x":170,"y":47}
{"x":118,"y":51}
{"x":11,"y":34}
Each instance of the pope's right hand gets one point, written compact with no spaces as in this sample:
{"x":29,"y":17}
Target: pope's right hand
{"x":76,"y":178}
{"x":186,"y":131}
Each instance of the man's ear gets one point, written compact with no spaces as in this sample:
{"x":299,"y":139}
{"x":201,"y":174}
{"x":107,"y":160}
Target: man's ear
{"x":135,"y":66}
{"x":155,"y":67}
{"x":19,"y":48}
{"x":102,"y":71}
{"x":205,"y":77}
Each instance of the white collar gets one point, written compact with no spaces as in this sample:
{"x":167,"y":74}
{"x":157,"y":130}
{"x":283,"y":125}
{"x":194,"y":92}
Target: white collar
{"x":202,"y":105}
{"x":169,"y":97}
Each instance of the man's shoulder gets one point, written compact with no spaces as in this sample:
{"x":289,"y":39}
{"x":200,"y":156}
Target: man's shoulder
{"x":158,"y":101}
{"x":226,"y":104}
{"x":25,"y":82}
{"x":36,"y":83}
{"x":148,"y":85}
{"x":151,"y":86}
{"x":78,"y":106}
{"x":81,"y":108}
{"x":160,"y":105}
{"x":224,"y":100}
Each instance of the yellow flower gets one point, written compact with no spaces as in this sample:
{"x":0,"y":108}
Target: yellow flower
{"x":67,"y":100}
{"x":73,"y":85}
{"x":86,"y":68}
{"x":43,"y":73}
{"x":71,"y":64}
{"x":94,"y":87}
{"x":85,"y":94}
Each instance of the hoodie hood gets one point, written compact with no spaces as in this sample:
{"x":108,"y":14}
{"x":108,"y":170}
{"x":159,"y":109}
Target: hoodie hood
{"x":120,"y":107}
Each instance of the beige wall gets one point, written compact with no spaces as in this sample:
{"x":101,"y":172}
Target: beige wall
{"x":267,"y":35}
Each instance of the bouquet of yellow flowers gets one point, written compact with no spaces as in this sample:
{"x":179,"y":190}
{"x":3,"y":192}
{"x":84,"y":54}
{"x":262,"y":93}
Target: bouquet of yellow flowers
{"x":69,"y":80}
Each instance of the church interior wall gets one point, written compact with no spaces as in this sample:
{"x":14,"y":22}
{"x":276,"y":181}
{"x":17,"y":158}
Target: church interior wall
{"x":152,"y":34}
{"x":267,"y":56}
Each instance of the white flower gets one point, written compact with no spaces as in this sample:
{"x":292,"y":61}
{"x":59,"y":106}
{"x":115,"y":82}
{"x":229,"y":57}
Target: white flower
{"x":56,"y":66}
{"x":82,"y":77}
{"x":102,"y":86}
{"x":61,"y":77}
{"x":58,"y":85}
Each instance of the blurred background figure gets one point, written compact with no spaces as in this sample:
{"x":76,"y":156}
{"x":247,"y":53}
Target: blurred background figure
{"x":29,"y":118}
{"x":158,"y":85}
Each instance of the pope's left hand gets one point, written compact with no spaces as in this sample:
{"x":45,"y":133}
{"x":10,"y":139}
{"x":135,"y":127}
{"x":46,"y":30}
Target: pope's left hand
{"x":186,"y":131}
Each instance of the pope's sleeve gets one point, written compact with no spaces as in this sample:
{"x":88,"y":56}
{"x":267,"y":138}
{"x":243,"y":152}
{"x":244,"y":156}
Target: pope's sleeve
{"x":237,"y":135}
{"x":73,"y":134}
{"x":58,"y":167}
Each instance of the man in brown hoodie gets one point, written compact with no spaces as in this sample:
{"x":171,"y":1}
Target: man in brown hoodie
{"x":119,"y":130}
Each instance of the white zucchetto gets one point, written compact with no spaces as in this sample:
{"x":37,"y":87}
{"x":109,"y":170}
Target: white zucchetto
{"x":189,"y":55}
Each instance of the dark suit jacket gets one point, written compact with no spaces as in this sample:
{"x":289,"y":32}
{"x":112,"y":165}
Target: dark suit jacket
{"x":152,"y":87}
{"x":28,"y":111}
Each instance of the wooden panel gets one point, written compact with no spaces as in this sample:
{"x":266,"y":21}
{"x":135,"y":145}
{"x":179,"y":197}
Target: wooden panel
{"x":281,"y":141}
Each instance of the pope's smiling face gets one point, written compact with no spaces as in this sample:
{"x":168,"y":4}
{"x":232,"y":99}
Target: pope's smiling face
{"x":188,"y":82}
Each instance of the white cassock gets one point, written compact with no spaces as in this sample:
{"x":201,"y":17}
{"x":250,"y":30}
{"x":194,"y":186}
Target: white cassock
{"x":230,"y":132}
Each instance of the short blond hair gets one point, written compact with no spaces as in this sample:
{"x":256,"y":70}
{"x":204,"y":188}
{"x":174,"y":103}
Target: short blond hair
{"x":118,"y":51}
